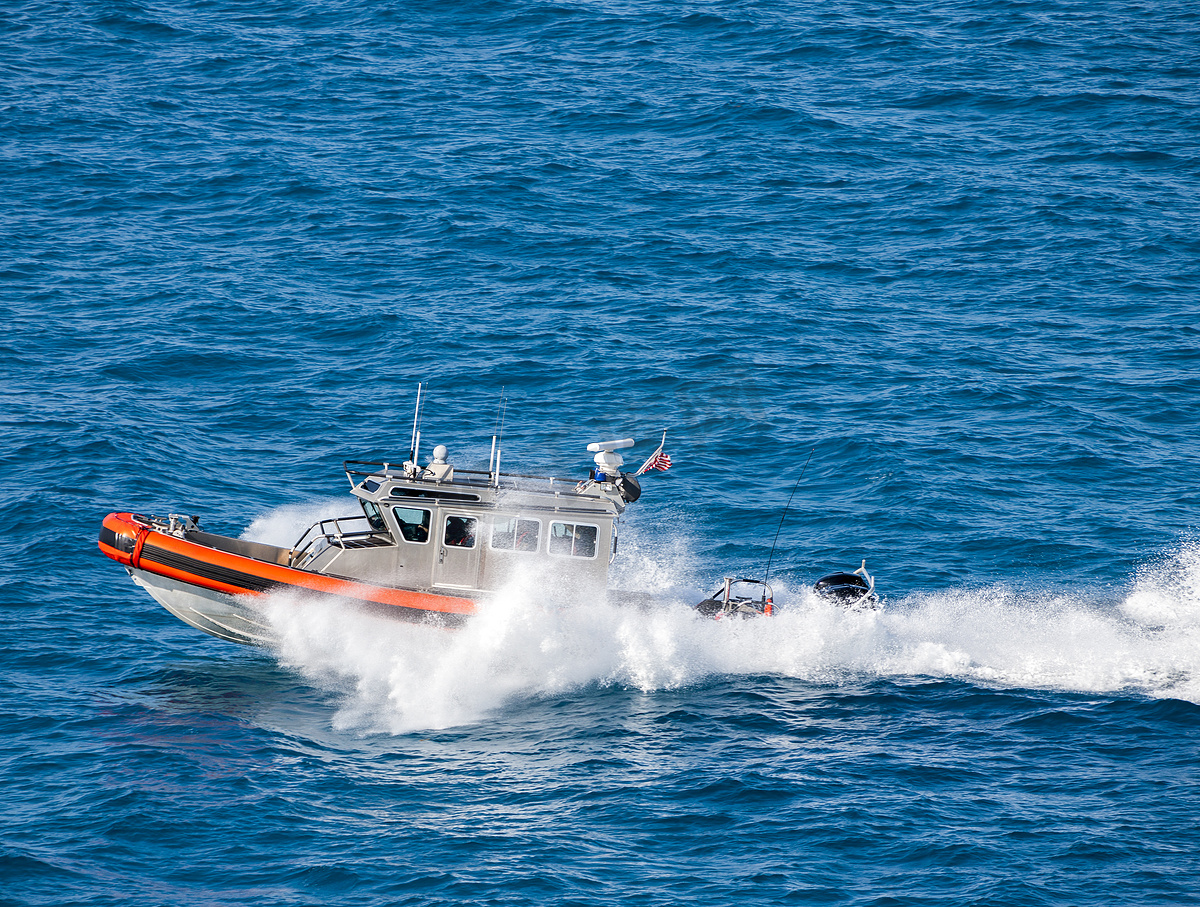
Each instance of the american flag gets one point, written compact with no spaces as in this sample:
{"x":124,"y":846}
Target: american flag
{"x":657,"y":460}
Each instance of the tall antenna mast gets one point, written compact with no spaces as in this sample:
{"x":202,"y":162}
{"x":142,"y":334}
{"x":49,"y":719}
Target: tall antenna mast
{"x":767,"y":575}
{"x":497,"y":440}
{"x":416,"y":433}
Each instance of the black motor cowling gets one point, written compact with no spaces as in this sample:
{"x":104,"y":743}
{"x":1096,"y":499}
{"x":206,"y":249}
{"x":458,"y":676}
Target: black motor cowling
{"x":845,"y":588}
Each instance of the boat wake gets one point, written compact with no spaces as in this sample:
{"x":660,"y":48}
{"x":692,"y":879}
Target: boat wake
{"x":395,"y":678}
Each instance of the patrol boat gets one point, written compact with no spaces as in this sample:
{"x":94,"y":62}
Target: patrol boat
{"x":427,"y":543}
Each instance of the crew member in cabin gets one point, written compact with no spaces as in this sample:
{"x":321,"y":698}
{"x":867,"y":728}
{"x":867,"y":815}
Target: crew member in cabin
{"x":460,"y":532}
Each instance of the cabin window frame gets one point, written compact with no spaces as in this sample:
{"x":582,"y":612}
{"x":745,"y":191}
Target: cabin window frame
{"x":516,"y":534}
{"x":595,"y":527}
{"x":426,"y":524}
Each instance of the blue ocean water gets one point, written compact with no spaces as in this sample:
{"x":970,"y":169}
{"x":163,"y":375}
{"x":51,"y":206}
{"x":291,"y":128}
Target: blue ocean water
{"x":948,"y":250}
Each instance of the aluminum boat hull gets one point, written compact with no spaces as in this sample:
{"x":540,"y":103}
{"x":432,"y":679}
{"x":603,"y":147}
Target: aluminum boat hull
{"x":215,"y":590}
{"x":234,"y":618}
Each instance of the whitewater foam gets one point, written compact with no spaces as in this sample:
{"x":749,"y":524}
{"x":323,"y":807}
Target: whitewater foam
{"x":284,"y":525}
{"x":395,"y":677}
{"x":1167,"y":592}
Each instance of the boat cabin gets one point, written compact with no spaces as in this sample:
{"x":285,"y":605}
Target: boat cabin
{"x":467,"y":532}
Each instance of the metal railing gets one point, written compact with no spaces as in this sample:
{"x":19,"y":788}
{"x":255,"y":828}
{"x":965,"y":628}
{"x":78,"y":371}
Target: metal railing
{"x":364,"y":469}
{"x":339,"y":532}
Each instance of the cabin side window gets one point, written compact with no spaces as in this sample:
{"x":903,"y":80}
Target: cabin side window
{"x":413,"y":523}
{"x":460,"y":531}
{"x":515,"y":534}
{"x":574,"y":539}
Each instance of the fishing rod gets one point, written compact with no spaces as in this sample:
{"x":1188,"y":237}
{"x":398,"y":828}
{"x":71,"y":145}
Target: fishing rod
{"x":767,"y":575}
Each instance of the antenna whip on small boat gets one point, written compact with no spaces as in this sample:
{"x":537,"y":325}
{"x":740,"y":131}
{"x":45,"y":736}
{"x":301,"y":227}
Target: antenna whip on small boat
{"x":767,"y":575}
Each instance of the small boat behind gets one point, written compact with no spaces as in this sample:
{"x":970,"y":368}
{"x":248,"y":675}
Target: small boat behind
{"x":739,"y":598}
{"x":753,"y":597}
{"x":743,"y":598}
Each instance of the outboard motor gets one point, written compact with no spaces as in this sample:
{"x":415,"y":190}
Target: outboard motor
{"x":853,"y":590}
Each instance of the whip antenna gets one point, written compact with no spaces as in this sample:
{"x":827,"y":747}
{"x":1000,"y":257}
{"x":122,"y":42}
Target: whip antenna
{"x":498,"y":439}
{"x":767,"y":575}
{"x":416,"y":432}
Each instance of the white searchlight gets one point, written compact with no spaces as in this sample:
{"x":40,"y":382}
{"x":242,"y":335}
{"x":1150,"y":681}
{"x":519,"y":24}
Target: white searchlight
{"x":608,"y":461}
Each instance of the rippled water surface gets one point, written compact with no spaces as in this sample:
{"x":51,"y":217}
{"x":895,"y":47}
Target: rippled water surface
{"x":947,"y":250}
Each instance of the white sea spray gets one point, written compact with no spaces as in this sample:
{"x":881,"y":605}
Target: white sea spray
{"x":395,"y":677}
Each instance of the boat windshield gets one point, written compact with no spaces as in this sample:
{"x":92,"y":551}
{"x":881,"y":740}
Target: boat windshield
{"x":374,"y":517}
{"x":749,"y":589}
